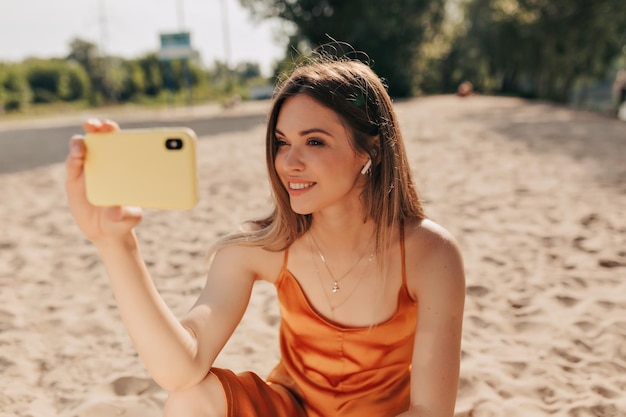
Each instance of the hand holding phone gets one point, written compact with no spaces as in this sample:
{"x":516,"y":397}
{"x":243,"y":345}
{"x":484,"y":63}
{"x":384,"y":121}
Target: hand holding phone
{"x":153,"y":168}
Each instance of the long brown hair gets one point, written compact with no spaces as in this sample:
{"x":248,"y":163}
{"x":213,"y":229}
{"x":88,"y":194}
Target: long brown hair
{"x":352,"y":90}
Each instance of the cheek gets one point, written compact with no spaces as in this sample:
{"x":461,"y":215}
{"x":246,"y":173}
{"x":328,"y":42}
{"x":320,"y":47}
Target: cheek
{"x":277,"y":163}
{"x":343,"y":177}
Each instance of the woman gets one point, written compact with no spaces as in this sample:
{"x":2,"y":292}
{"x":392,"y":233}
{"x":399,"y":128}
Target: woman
{"x":371,"y":292}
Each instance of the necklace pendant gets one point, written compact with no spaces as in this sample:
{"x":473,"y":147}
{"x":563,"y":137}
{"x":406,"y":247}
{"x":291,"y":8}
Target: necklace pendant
{"x":335,"y":287}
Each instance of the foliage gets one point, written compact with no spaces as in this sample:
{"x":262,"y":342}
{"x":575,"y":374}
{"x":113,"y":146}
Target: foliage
{"x":153,"y":77}
{"x":55,"y":80}
{"x":15,"y":93}
{"x":77,"y":83}
{"x":84,"y":76}
{"x":534,"y":48}
{"x":531,"y":48}
{"x":134,"y":82}
{"x":248,"y":71}
{"x":389,"y":32}
{"x":87,"y":55}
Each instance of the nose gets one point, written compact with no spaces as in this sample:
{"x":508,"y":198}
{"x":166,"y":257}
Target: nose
{"x":292,"y":159}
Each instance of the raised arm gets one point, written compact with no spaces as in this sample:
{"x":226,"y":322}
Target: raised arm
{"x":437,"y":279}
{"x":177,"y":354}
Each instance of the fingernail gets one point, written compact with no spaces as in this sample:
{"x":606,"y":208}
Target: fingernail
{"x":75,"y":149}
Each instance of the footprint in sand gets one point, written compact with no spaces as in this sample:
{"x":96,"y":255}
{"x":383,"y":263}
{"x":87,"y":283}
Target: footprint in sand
{"x":270,"y":316}
{"x":126,"y":396}
{"x":123,"y":407}
{"x":531,"y":326}
{"x":606,"y":392}
{"x":5,"y":364}
{"x":477,"y":290}
{"x":130,"y":385}
{"x":603,"y":410}
{"x":7,"y":320}
{"x":610,"y":263}
{"x":566,"y":300}
{"x":589,"y":244}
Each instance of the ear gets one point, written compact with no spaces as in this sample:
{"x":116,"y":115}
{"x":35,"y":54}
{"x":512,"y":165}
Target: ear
{"x":366,"y":167}
{"x":375,"y":152}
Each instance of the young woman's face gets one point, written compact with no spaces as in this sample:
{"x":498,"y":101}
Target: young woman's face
{"x":314,"y":160}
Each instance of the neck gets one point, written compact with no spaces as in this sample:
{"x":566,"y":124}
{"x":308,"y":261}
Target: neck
{"x":342,"y":234}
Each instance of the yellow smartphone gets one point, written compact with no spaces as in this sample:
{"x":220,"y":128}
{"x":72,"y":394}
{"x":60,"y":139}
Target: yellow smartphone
{"x":153,"y":168}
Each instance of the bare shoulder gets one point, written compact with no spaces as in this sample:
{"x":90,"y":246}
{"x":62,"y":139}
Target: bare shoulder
{"x":256,"y":262}
{"x":433,"y":257}
{"x":430,"y":238}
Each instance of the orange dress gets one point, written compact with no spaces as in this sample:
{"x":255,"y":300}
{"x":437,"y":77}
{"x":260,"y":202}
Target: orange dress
{"x":329,"y":370}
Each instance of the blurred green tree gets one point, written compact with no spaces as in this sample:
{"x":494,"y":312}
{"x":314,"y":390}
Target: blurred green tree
{"x":535,"y":48}
{"x":134,"y":82}
{"x":390,"y":32}
{"x":44,"y":78}
{"x":153,"y":79}
{"x":248,"y":70}
{"x":86,"y":54}
{"x":15,"y":93}
{"x":76,"y":83}
{"x":55,"y":80}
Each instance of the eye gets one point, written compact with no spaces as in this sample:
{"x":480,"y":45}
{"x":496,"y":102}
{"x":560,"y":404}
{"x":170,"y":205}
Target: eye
{"x":314,"y":142}
{"x":280,"y":142}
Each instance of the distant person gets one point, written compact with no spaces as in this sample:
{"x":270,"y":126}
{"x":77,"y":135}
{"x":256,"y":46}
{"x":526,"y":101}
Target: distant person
{"x":619,"y":91}
{"x":371,"y":292}
{"x":465,"y":89}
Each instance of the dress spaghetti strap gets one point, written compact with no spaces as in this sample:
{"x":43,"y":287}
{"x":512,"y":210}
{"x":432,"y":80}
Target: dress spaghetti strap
{"x":402,"y":255}
{"x":285,"y":260}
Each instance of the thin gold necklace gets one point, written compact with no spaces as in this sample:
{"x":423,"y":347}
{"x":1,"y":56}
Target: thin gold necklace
{"x":335,"y":289}
{"x":326,"y":295}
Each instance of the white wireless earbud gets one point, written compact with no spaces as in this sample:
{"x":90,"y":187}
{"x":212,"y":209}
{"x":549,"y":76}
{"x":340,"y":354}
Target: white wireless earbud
{"x":367,"y":166}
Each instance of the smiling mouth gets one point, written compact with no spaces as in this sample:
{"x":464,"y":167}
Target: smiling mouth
{"x":300,"y":185}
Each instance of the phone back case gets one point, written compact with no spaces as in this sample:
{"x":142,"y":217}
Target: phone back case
{"x":153,"y":168}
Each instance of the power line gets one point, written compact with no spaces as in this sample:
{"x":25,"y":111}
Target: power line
{"x":104,"y":31}
{"x":226,"y":32}
{"x":181,"y":15}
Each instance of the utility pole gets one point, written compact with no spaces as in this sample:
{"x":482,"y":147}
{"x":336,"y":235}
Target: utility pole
{"x":104,"y":39}
{"x":226,"y":36}
{"x":185,"y":61}
{"x":104,"y":33}
{"x":225,"y":32}
{"x":181,"y":15}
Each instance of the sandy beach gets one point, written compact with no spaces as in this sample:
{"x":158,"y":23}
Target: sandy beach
{"x":534,"y":193}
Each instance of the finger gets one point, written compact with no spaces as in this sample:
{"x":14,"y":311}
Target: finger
{"x":109,"y":126}
{"x":92,"y":125}
{"x":129,"y":214}
{"x":77,"y":146}
{"x":75,"y":158}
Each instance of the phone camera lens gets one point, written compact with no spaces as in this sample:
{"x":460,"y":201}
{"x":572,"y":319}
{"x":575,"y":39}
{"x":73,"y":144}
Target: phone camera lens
{"x":174,"y":144}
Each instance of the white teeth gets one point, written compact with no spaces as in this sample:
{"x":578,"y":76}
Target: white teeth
{"x":299,"y":185}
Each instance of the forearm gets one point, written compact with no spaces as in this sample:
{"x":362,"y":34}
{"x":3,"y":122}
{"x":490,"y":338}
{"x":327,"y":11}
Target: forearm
{"x":418,"y":411}
{"x":168,"y":350}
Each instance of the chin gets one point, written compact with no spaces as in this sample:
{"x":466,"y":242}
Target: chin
{"x":301,"y":209}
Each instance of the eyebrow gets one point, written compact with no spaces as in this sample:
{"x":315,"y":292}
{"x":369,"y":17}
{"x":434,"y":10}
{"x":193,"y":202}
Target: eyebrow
{"x":307,"y":132}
